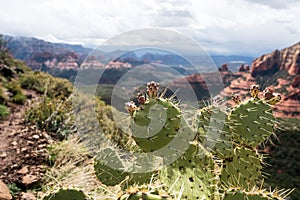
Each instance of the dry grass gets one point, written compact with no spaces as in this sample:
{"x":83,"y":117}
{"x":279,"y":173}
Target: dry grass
{"x":73,"y":168}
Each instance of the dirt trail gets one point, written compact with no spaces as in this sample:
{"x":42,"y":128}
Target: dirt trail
{"x":22,"y":147}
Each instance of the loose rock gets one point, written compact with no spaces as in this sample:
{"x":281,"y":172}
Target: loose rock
{"x":27,"y":196}
{"x":29,"y":180}
{"x":4,"y":192}
{"x":24,"y":170}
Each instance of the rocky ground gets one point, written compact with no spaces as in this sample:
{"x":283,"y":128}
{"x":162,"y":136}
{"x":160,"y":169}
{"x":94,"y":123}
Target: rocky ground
{"x":23,"y":152}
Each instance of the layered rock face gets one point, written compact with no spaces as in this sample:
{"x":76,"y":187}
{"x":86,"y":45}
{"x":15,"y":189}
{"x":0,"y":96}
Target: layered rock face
{"x":287,"y":59}
{"x":207,"y":84}
{"x":279,"y":69}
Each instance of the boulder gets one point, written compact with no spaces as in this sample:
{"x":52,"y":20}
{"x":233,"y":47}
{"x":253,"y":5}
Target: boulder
{"x":27,"y":196}
{"x":4,"y":192}
{"x":29,"y":180}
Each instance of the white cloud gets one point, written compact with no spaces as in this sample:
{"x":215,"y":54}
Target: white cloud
{"x":221,"y":26}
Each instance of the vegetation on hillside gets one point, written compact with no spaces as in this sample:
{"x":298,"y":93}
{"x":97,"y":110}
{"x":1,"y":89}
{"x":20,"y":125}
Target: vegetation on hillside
{"x":232,"y":168}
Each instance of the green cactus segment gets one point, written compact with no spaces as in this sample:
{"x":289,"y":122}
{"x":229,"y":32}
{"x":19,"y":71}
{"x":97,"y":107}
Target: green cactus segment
{"x":254,"y":194}
{"x":192,"y":172}
{"x":243,"y":170}
{"x":105,"y":174}
{"x":214,"y":132}
{"x":252,"y":122}
{"x":65,"y":194}
{"x":113,"y":176}
{"x":143,"y":196}
{"x":155,"y":124}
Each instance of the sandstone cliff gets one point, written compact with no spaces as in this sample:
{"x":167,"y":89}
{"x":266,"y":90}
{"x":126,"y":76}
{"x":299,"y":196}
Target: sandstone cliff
{"x":279,"y":69}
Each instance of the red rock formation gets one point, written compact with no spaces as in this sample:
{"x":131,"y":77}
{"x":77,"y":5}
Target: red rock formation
{"x":296,"y":82}
{"x":206,"y":84}
{"x":289,"y":106}
{"x":287,"y":59}
{"x":295,"y":67}
{"x":223,"y":68}
{"x":242,"y":68}
{"x":266,"y":64}
{"x":247,"y":67}
{"x":278,"y":69}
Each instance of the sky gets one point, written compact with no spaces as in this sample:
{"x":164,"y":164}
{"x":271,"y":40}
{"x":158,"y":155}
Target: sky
{"x":224,"y":27}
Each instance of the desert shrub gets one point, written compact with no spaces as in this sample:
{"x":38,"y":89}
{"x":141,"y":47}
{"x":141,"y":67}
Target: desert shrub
{"x":45,"y":83}
{"x":53,"y":115}
{"x":14,"y":87}
{"x":19,"y":98}
{"x":16,"y":92}
{"x":4,"y":111}
{"x":2,"y":95}
{"x":29,"y":81}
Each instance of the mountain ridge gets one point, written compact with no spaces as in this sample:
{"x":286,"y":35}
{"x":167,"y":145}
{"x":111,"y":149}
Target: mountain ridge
{"x":34,"y":52}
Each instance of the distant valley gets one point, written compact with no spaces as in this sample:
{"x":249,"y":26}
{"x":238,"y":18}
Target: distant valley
{"x":280,"y":68}
{"x":39,"y":54}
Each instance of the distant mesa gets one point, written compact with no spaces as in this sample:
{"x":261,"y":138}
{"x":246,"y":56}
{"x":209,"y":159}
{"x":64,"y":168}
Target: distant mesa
{"x":95,"y":64}
{"x":92,"y":64}
{"x":117,"y":65}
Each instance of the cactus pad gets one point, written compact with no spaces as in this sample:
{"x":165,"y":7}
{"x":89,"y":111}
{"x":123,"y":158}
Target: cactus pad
{"x":214,"y":132}
{"x":193,"y":172}
{"x":251,"y":122}
{"x":65,"y":194}
{"x":111,"y":176}
{"x":106,"y":174}
{"x":155,"y":124}
{"x":254,"y":194}
{"x":242,"y":170}
{"x":143,"y":196}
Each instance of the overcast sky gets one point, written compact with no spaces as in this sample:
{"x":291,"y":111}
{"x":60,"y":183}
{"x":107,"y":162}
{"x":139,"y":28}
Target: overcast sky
{"x":242,"y":27}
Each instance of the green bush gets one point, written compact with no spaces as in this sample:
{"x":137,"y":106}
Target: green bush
{"x":28,"y":81}
{"x":4,"y":111}
{"x":14,"y":190}
{"x":19,"y":98}
{"x":45,"y":83}
{"x":16,"y":92}
{"x":53,"y":115}
{"x":2,"y":95}
{"x":14,"y":87}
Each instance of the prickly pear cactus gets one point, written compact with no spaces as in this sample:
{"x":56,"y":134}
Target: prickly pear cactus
{"x":144,"y":196}
{"x":214,"y":132}
{"x":160,"y":120}
{"x":144,"y":192}
{"x":253,"y":194}
{"x":111,"y":176}
{"x":243,"y":169}
{"x":67,"y":194}
{"x":106,"y":174}
{"x":222,"y":162}
{"x":252,"y":122}
{"x":155,"y":122}
{"x":192,"y":174}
